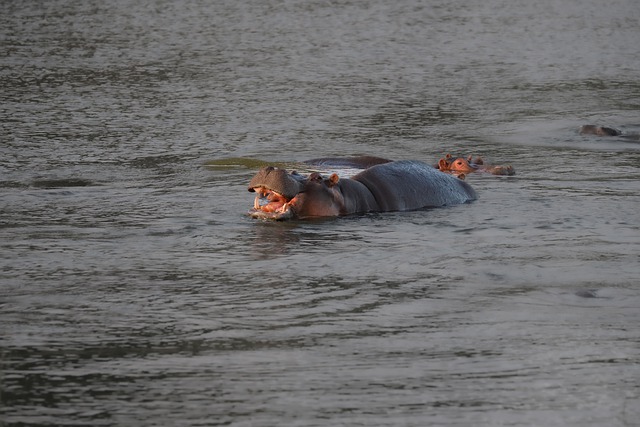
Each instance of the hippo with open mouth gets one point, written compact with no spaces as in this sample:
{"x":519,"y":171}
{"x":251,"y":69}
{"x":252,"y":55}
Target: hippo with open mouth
{"x":392,"y":186}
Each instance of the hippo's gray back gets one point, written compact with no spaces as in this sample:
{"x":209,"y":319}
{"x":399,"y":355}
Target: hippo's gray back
{"x":407,"y":185}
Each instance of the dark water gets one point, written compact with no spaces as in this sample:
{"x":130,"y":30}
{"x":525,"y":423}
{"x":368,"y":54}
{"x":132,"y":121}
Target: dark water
{"x":134,"y":290}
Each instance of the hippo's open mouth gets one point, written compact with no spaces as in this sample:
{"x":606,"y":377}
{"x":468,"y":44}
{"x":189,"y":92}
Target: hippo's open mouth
{"x":275,"y":190}
{"x":270,"y":204}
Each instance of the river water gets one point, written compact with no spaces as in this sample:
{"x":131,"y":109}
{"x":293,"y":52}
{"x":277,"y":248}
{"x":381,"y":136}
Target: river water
{"x":135,"y":290}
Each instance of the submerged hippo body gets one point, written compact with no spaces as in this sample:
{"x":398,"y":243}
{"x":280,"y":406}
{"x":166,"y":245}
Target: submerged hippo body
{"x":608,"y":131}
{"x":598,"y":130}
{"x":393,"y":186}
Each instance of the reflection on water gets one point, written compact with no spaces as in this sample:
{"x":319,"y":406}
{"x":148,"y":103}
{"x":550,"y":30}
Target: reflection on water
{"x":135,"y":290}
{"x":273,"y":240}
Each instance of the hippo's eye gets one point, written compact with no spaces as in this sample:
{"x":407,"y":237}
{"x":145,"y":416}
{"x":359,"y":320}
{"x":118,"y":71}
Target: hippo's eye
{"x":315,"y":177}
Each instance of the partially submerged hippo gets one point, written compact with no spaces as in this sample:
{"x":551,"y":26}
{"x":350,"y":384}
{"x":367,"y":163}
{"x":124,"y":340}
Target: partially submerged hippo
{"x":598,"y":130}
{"x":390,"y":186}
{"x":460,"y":165}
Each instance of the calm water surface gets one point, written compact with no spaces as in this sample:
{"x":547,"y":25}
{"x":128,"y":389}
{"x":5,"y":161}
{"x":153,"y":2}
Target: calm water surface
{"x":135,"y":291}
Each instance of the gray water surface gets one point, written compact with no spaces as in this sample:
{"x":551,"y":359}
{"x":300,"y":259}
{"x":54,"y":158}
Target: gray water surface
{"x":135,"y":291}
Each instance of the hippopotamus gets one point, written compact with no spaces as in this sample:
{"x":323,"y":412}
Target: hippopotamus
{"x":391,"y":186}
{"x":598,"y":130}
{"x":460,"y":166}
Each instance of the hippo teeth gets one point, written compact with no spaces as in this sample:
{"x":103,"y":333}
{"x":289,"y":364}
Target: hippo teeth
{"x":271,"y":205}
{"x":270,"y":201}
{"x":284,"y":207}
{"x":260,"y":202}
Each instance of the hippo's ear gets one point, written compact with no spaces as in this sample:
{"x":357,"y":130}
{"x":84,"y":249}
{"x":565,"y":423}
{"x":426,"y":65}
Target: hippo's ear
{"x":333,"y":180}
{"x":448,"y":156}
{"x":462,"y":176}
{"x":443,"y":165}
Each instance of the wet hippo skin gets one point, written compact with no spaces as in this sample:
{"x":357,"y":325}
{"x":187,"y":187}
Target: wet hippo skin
{"x":598,"y":130}
{"x":391,"y":186}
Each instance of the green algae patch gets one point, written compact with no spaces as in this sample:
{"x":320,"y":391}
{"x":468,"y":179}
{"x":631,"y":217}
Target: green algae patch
{"x":237,"y":162}
{"x":231,"y":163}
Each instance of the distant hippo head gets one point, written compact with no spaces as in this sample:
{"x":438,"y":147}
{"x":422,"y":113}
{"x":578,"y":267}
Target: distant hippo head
{"x":457,"y":164}
{"x":461,"y":166}
{"x":598,"y":130}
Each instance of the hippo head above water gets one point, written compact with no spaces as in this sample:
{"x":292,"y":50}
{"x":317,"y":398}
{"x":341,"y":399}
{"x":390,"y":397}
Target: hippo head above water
{"x":598,"y":130}
{"x":460,"y":166}
{"x":282,"y":195}
{"x":393,"y":186}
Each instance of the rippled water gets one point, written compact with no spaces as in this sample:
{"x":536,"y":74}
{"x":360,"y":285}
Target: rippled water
{"x":134,"y":290}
